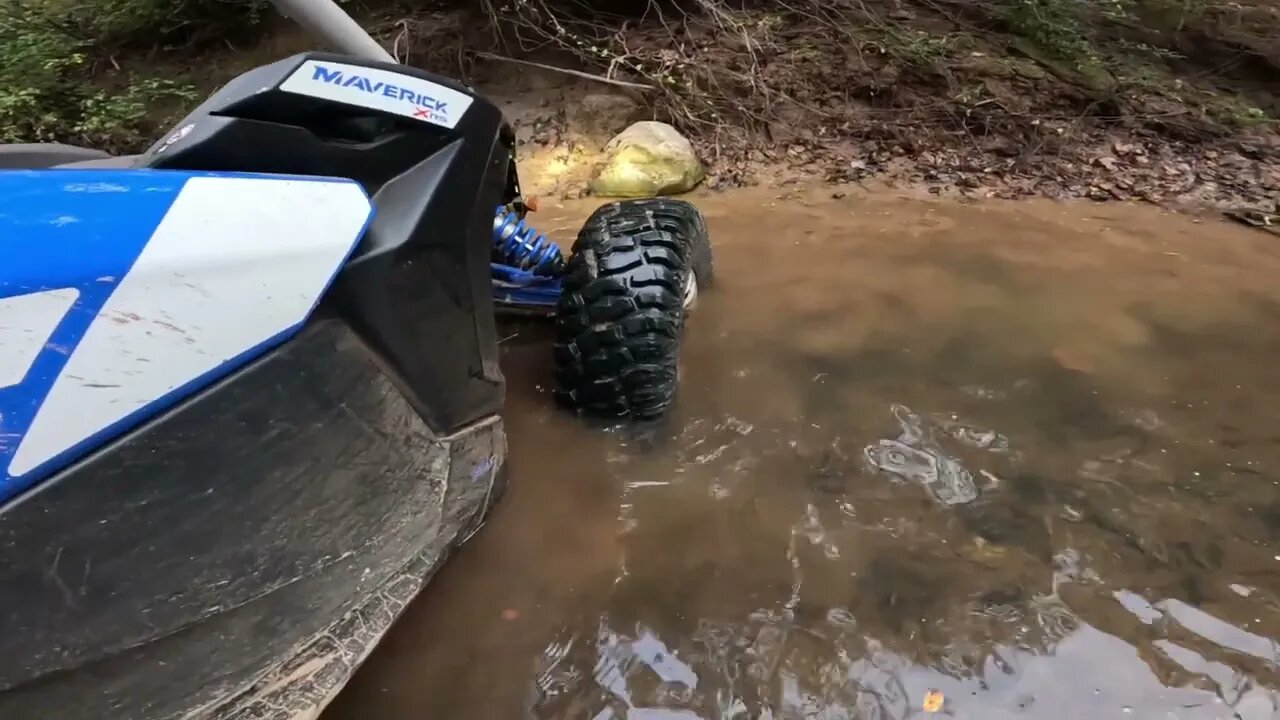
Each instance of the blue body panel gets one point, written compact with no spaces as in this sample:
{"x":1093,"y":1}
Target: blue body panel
{"x":82,"y":230}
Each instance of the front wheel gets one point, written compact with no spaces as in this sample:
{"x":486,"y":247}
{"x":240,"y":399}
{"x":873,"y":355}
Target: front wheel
{"x":636,"y":268}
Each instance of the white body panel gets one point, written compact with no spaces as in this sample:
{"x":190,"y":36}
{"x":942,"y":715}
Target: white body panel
{"x":28,"y":321}
{"x":235,"y":262}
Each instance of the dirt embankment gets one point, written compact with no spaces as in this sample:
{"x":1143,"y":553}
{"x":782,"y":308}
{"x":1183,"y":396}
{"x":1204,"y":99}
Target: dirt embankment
{"x":1167,"y":101}
{"x":1157,"y":100}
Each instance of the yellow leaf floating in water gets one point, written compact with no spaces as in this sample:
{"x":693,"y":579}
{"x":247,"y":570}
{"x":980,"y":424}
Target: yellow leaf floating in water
{"x":932,"y":701}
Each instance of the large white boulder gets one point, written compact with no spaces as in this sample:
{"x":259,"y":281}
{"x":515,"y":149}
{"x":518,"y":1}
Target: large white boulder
{"x":646,"y":160}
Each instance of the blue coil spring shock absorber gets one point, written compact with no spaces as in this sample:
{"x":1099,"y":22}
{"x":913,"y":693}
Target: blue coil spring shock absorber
{"x":516,"y":243}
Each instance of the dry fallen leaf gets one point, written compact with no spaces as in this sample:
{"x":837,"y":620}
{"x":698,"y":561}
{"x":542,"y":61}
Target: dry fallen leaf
{"x":932,"y":701}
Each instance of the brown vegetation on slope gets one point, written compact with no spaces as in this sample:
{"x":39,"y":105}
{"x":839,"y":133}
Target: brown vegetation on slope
{"x":1151,"y":99}
{"x":1161,"y":100}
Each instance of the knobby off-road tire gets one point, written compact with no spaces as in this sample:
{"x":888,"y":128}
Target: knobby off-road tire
{"x":623,"y":305}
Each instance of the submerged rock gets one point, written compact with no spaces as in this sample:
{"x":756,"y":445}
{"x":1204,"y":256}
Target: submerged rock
{"x":914,"y":458}
{"x":941,"y":476}
{"x":646,"y":160}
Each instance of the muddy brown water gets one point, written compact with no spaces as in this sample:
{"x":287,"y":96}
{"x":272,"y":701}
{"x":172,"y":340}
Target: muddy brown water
{"x":1023,"y":455}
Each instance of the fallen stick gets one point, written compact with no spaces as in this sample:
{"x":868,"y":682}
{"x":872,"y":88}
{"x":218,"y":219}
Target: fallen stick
{"x":566,"y":71}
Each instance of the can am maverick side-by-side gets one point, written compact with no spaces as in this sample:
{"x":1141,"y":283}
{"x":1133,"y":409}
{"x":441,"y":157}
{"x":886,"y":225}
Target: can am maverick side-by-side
{"x":249,"y":384}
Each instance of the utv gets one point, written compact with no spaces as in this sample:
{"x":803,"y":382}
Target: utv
{"x":249,"y":383}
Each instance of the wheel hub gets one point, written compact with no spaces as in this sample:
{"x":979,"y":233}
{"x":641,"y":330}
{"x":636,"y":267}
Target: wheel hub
{"x":691,"y":291}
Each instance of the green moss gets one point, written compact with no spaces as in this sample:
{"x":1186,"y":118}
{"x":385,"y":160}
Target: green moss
{"x":1054,"y":27}
{"x":1085,"y":69}
{"x":1170,"y":15}
{"x":917,"y":48}
{"x":1237,"y":113}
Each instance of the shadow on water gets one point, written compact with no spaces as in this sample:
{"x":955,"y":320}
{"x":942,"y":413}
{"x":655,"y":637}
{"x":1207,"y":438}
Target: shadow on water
{"x":1020,"y":455}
